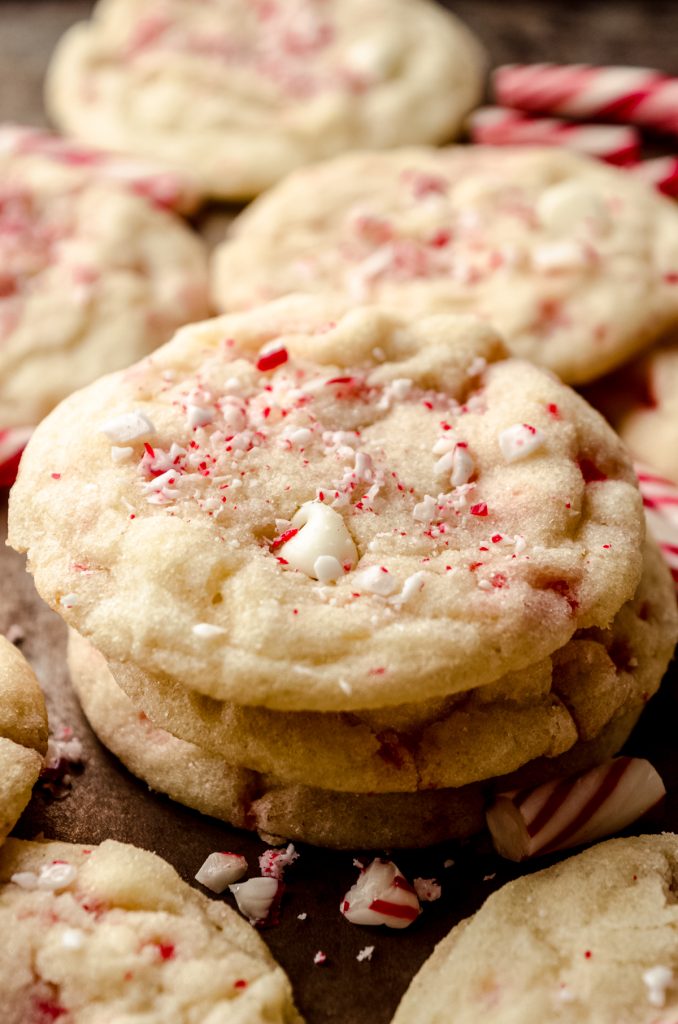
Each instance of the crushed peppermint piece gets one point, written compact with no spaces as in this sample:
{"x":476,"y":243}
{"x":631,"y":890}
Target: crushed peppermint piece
{"x":424,"y":511}
{"x":129,"y":426}
{"x":255,"y":897}
{"x":412,"y":585}
{"x":449,"y":863}
{"x":321,"y":531}
{"x":365,"y":953}
{"x":51,"y":877}
{"x":220,"y":870}
{"x":272,"y":862}
{"x":72,"y":938}
{"x":320,"y":957}
{"x":376,"y":579}
{"x":657,"y":980}
{"x":463,"y":466}
{"x":119,"y":454}
{"x":272,"y":358}
{"x":382,"y":895}
{"x":198,"y":416}
{"x":427,"y":889}
{"x":489,"y":878}
{"x":519,"y":441}
{"x":302,"y":917}
{"x":68,"y":600}
{"x":206,"y":630}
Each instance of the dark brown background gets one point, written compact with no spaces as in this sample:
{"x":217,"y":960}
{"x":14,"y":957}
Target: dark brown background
{"x":106,"y":801}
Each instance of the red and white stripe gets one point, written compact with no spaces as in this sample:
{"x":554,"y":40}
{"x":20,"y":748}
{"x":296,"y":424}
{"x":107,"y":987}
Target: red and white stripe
{"x":382,"y":895}
{"x":572,"y":811}
{"x":164,"y":188}
{"x":661,"y":172}
{"x":501,"y":126}
{"x":660,"y":499}
{"x":12,"y":443}
{"x":634,"y":95}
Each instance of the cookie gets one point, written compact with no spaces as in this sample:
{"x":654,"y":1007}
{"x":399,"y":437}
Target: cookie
{"x":593,"y":940}
{"x":263,"y":802}
{"x":111,"y":273}
{"x":239,"y":93}
{"x":111,"y":932}
{"x":541,"y":711}
{"x":575,"y":262}
{"x":307,"y":509}
{"x":23,"y":734}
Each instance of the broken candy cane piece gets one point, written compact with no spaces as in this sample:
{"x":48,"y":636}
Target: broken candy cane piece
{"x":519,"y":441}
{"x":569,"y":812}
{"x":129,"y":426}
{"x":321,"y":544}
{"x":255,"y":897}
{"x":382,"y":895}
{"x":272,"y":862}
{"x":52,"y":877}
{"x":220,"y":870}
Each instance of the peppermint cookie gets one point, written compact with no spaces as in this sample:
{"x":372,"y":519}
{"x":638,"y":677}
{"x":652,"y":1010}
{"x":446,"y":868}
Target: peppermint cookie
{"x":111,"y":274}
{"x":240,"y":93}
{"x":575,"y":262}
{"x":307,"y":509}
{"x":593,"y":940}
{"x":112,"y":933}
{"x":277,"y":809}
{"x":23,"y":734}
{"x":540,"y":711}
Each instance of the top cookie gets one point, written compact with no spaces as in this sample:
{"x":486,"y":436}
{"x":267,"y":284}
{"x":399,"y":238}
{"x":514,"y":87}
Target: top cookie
{"x":575,"y":262}
{"x":111,"y":933}
{"x":23,"y":734}
{"x":309,"y":509}
{"x":240,"y":92}
{"x":92,"y":277}
{"x":593,"y":940}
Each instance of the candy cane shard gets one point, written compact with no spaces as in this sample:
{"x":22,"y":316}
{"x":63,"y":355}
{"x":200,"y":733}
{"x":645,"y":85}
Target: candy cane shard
{"x":660,"y":500}
{"x":502,"y":126}
{"x":641,"y":96}
{"x":220,"y":870}
{"x":382,"y":895}
{"x":570,"y":812}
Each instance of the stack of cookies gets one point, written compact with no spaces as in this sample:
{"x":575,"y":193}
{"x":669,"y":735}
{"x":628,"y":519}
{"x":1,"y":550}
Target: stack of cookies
{"x":339,"y":574}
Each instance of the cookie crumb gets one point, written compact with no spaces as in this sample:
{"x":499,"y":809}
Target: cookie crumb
{"x":365,"y":953}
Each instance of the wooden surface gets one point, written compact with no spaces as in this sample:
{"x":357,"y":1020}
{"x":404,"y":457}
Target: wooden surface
{"x":106,"y":801}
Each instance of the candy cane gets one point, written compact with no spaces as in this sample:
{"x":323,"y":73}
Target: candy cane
{"x":569,"y":812}
{"x":662,"y":173}
{"x":660,"y":499}
{"x":501,"y":126}
{"x":12,"y":443}
{"x":637,"y":95}
{"x":163,"y":188}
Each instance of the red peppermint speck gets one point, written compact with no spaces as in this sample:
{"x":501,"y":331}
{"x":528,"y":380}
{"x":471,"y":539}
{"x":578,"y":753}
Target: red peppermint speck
{"x":149,"y":449}
{"x":283,"y":561}
{"x":166,"y":950}
{"x":671,"y":277}
{"x":240,"y":983}
{"x":606,"y":547}
{"x":479,"y":510}
{"x":553,"y":410}
{"x":475,"y":565}
{"x":440,"y":239}
{"x":340,"y":380}
{"x":588,"y":954}
{"x":56,"y":476}
{"x":295,"y":611}
{"x":269,"y":360}
{"x":496,"y":537}
{"x":48,"y":1011}
{"x":498,"y":580}
{"x":132,"y":516}
{"x":428,"y":405}
{"x":380,"y":671}
{"x":283,"y":538}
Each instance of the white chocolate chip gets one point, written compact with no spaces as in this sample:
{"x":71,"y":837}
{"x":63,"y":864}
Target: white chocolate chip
{"x":657,"y":980}
{"x":322,"y":533}
{"x":519,"y":441}
{"x":205,"y":630}
{"x":120,"y":454}
{"x":220,"y":870}
{"x":129,"y":426}
{"x":563,"y":205}
{"x":376,"y":579}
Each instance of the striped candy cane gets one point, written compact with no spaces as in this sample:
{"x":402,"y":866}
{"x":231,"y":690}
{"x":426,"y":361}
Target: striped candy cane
{"x":12,"y":443}
{"x":382,"y":895}
{"x":568,"y":812}
{"x":660,"y":499}
{"x":640,"y":96}
{"x":501,"y":126}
